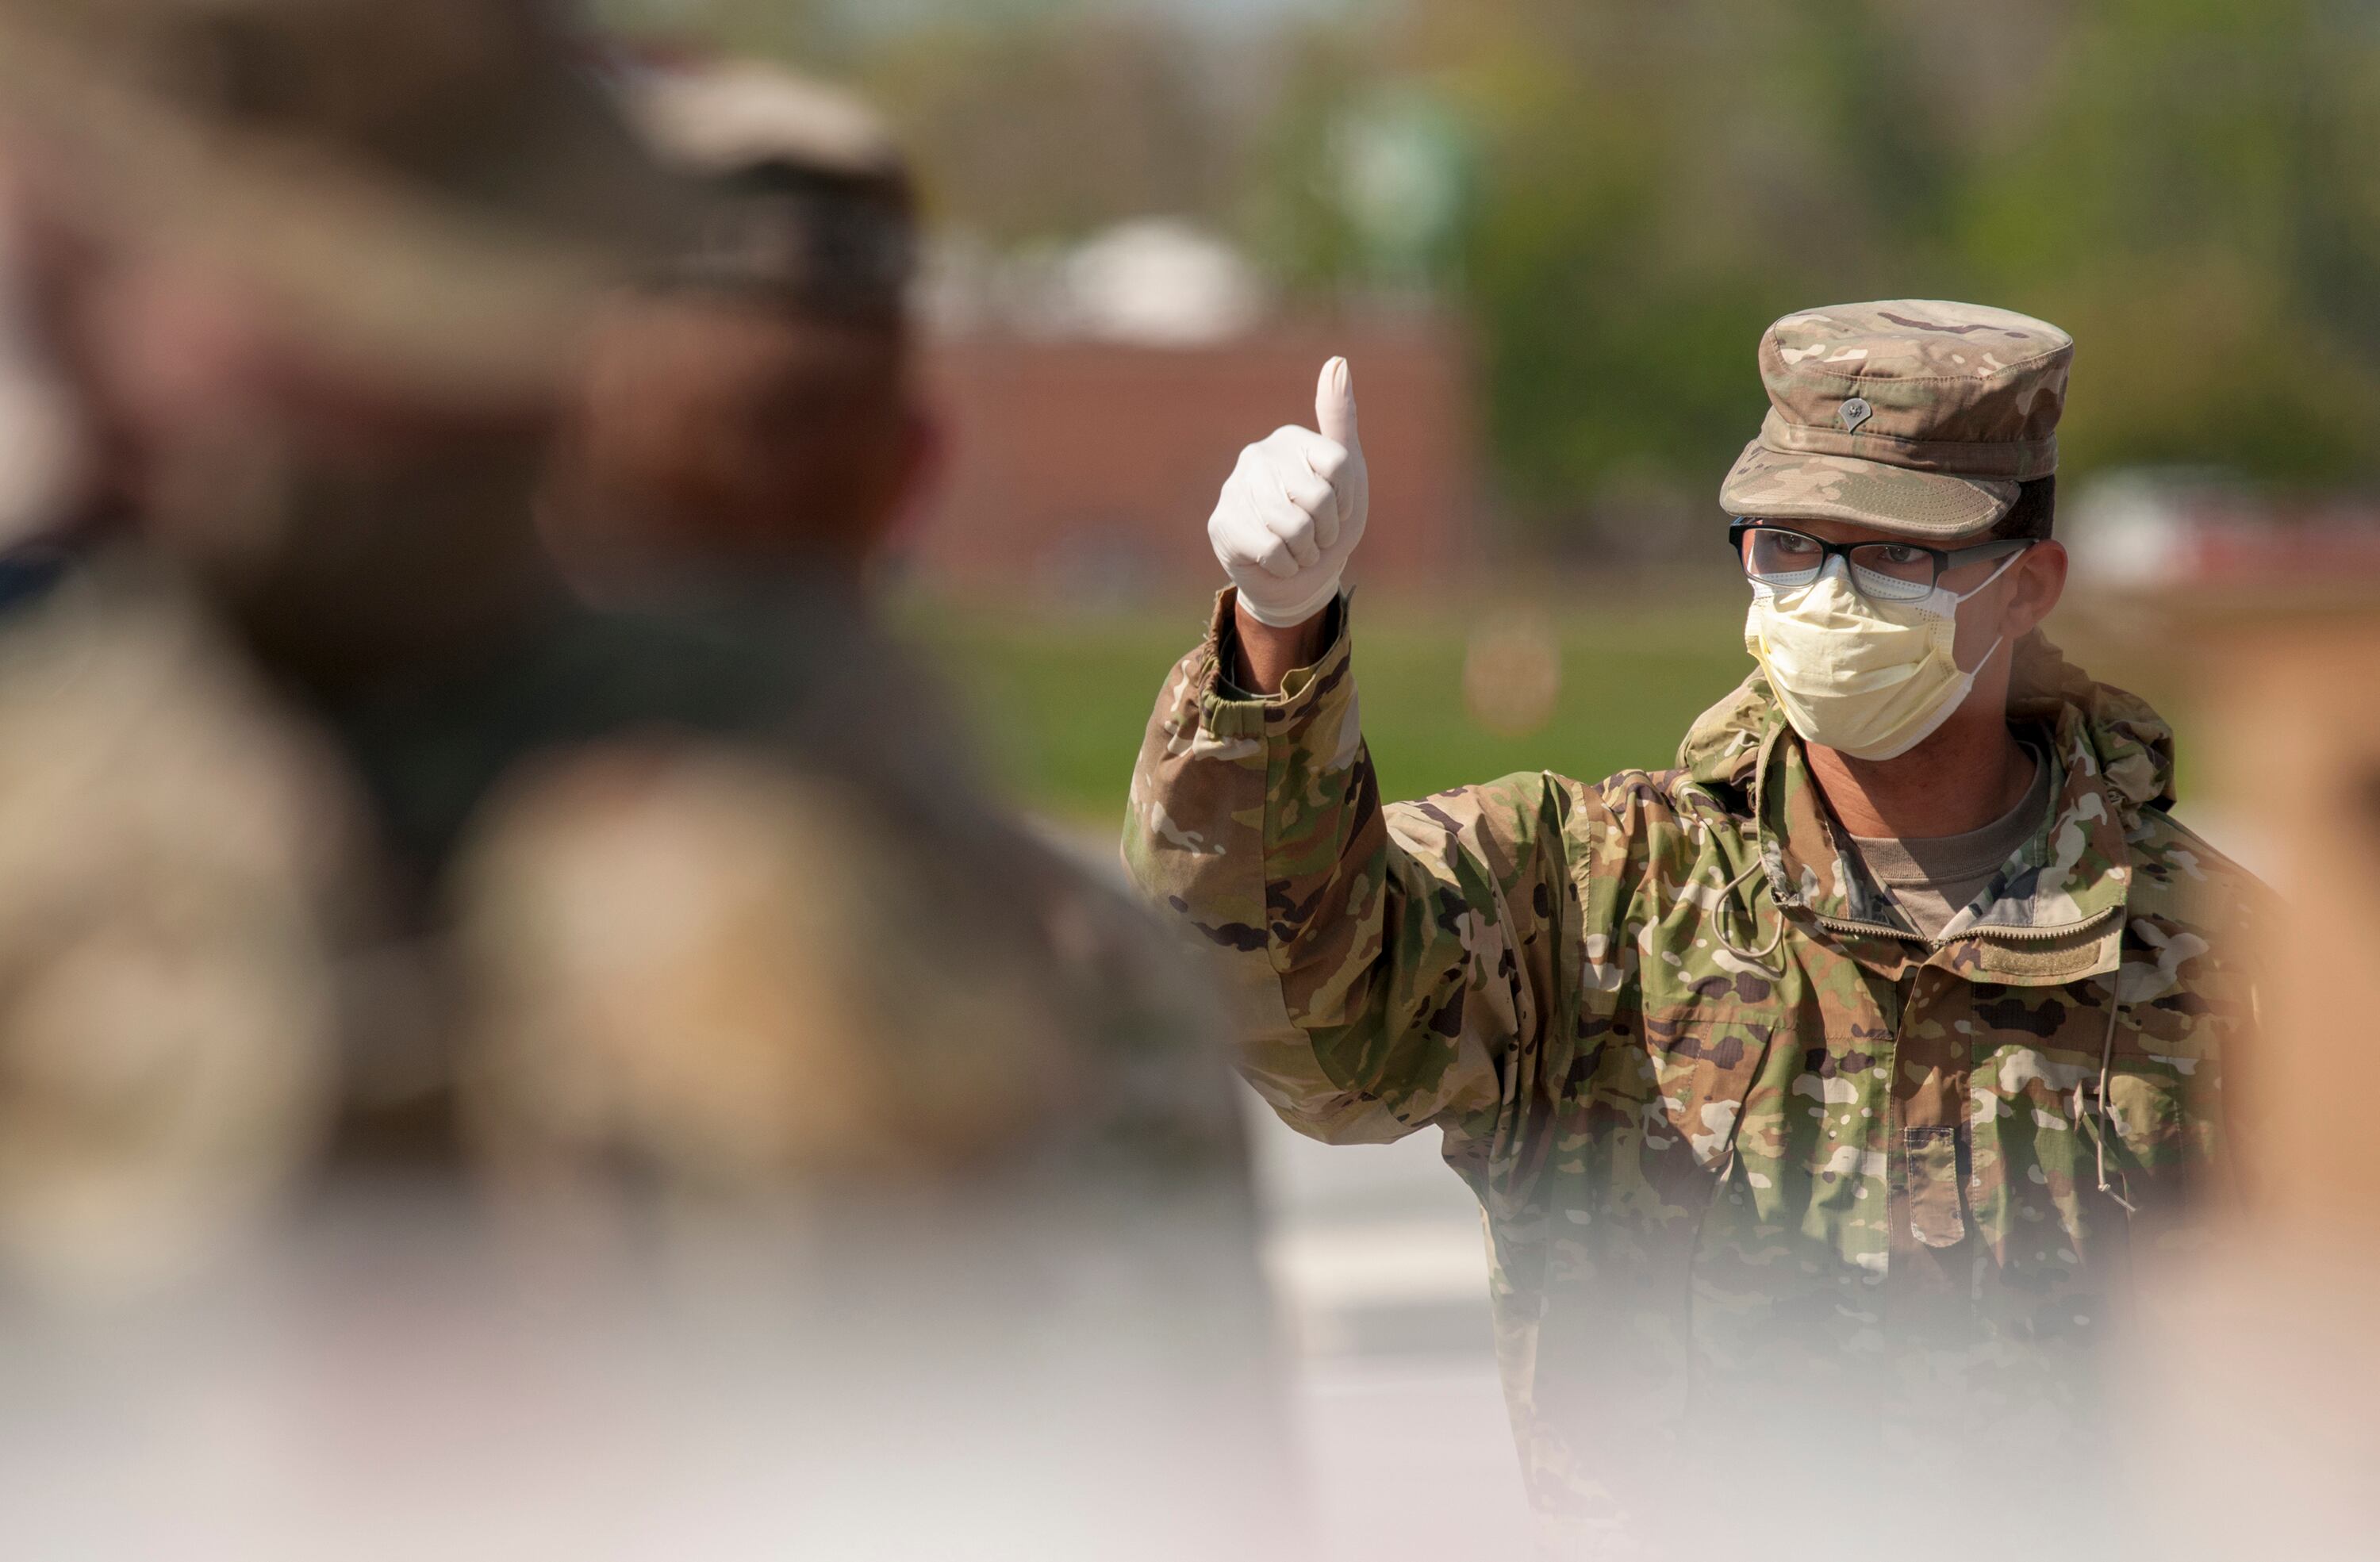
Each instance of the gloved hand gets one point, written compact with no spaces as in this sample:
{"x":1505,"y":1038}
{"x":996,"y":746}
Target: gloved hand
{"x":1294,"y":510}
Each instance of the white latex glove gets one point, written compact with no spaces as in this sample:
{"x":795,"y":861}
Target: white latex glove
{"x":1295,"y":508}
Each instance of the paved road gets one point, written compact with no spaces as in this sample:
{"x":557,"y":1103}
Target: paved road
{"x":1377,"y":1255}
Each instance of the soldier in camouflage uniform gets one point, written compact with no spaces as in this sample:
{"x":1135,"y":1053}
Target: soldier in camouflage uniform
{"x":1773,"y":1164}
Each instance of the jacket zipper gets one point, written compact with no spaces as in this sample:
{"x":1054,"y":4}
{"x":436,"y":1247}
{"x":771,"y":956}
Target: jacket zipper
{"x":2013,"y":935}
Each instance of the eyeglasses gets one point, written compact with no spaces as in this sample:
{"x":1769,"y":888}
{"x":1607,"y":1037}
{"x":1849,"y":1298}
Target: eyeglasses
{"x":1783,"y":559}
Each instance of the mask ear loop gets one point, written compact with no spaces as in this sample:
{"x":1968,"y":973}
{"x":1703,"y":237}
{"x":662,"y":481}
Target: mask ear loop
{"x":1979,"y":588}
{"x":1964,"y":597}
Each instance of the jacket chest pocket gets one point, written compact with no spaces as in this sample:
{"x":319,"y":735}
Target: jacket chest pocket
{"x":2072,"y":1095}
{"x":2160,"y":1111}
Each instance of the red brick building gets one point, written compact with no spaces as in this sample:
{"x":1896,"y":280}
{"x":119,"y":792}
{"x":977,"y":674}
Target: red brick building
{"x":1087,"y":468}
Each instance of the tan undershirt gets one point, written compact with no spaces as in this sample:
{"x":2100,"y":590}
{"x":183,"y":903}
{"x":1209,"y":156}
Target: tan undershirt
{"x":1933,"y":881}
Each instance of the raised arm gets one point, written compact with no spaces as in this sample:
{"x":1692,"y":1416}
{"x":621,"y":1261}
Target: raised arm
{"x":1393,"y":968}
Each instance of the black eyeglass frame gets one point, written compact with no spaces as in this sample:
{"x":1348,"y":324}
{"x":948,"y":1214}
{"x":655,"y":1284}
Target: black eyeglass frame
{"x":1945,"y":560}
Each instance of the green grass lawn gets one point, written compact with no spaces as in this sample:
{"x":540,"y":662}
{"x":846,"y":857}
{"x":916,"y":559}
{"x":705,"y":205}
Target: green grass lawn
{"x":1061,"y":703}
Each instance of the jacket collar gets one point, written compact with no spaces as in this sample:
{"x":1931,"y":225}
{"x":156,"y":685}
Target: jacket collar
{"x":2052,"y":913}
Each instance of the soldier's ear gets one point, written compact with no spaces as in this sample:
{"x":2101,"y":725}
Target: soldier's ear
{"x":2040,"y":581}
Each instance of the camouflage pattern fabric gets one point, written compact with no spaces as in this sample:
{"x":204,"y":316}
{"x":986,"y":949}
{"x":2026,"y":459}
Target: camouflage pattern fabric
{"x":1751,"y":1151}
{"x":734,"y":968}
{"x":1910,"y":416}
{"x":176,"y":863}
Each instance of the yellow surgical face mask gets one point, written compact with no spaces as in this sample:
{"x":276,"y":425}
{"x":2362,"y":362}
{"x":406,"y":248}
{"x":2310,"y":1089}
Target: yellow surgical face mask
{"x":1873,"y":680}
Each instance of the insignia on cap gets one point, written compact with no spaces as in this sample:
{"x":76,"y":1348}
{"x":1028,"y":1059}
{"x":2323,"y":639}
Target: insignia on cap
{"x":1854,"y":412}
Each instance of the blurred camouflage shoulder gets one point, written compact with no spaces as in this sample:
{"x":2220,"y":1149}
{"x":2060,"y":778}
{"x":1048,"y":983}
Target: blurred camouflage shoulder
{"x":2181,"y":877}
{"x":804,"y":944}
{"x":179,"y":860}
{"x":737,"y":966}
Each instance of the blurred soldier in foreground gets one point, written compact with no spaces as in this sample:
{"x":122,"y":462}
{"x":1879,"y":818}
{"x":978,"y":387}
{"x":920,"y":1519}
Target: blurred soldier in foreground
{"x":2252,"y":1431}
{"x":1821,"y":1092}
{"x":327,"y":814}
{"x":744,"y":434}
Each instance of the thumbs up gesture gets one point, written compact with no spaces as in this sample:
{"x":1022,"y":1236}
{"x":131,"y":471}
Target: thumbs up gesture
{"x":1294,"y":510}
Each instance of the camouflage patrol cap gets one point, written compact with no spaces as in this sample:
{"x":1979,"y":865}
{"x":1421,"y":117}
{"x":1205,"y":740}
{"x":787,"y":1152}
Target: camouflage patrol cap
{"x":1914,"y":416}
{"x":427,"y":191}
{"x":723,"y":118}
{"x":811,"y":203}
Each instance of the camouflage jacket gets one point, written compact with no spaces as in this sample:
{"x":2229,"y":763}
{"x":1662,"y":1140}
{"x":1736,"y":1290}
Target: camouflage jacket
{"x":1739,"y":1132}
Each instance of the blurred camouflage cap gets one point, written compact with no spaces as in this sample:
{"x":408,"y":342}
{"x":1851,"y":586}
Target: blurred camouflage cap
{"x":724,"y":116}
{"x":810,"y":200}
{"x":1909,"y":416}
{"x":428,"y":191}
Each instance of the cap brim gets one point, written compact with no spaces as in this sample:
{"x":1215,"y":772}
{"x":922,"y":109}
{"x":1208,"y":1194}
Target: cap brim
{"x":1777,"y":485}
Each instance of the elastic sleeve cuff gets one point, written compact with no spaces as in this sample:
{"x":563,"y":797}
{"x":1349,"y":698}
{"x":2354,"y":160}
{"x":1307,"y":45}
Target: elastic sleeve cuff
{"x":1231,"y":711}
